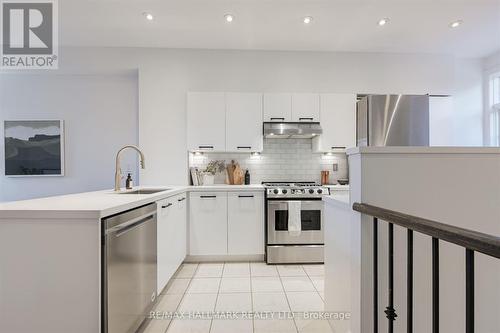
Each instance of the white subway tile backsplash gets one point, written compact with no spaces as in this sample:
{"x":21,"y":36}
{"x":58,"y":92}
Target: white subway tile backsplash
{"x":281,"y":160}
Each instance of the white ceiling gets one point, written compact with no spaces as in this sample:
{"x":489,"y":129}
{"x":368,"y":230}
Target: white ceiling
{"x":416,"y":26}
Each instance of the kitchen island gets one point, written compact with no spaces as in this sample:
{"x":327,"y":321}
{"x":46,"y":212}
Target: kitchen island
{"x":339,"y":233}
{"x":459,"y":186}
{"x":50,"y":256}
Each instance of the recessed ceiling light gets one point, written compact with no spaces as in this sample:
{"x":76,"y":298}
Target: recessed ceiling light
{"x":455,"y":24}
{"x":148,"y":16}
{"x":308,"y":19}
{"x":383,"y":21}
{"x":229,"y":18}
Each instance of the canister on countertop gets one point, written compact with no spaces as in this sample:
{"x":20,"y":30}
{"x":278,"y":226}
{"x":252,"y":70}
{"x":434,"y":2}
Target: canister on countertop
{"x":325,"y":177}
{"x":247,"y":177}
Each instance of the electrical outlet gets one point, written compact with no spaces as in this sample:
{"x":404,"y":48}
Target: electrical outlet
{"x":335,"y":167}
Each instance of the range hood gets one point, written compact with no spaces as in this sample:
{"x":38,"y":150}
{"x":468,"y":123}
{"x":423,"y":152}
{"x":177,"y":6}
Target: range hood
{"x":291,"y":130}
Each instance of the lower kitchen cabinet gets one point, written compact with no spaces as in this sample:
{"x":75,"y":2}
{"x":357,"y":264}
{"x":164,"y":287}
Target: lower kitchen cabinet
{"x":171,"y":237}
{"x":245,"y":223}
{"x":179,"y":248}
{"x":226,"y":223}
{"x":208,"y":223}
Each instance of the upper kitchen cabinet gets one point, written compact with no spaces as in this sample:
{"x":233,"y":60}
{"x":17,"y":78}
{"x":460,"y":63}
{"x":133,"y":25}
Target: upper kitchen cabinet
{"x":244,"y":122}
{"x":338,"y":121}
{"x":278,"y":107}
{"x":305,"y":108}
{"x":206,"y":121}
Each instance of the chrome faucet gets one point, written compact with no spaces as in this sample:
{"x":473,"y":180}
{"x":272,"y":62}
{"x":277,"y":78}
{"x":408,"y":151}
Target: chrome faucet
{"x":118,"y":169}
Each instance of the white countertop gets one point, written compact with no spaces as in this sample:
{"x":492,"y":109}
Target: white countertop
{"x":340,"y":199}
{"x":338,"y":187}
{"x":225,"y":187}
{"x":99,"y":204}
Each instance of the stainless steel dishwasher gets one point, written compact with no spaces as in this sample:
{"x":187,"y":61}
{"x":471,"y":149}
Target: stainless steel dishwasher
{"x":129,"y":269}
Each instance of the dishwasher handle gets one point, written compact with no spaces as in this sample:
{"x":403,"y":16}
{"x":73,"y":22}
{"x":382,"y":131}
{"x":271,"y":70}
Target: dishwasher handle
{"x":129,"y":225}
{"x":132,"y":226}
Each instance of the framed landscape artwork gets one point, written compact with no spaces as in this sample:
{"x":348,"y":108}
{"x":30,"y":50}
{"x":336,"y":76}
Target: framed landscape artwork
{"x":34,"y":148}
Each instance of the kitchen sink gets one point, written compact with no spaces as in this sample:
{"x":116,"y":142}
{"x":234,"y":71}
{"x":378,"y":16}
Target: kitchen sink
{"x":145,"y":191}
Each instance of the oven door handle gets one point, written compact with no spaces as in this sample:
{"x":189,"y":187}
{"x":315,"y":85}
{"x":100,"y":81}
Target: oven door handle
{"x":318,"y":203}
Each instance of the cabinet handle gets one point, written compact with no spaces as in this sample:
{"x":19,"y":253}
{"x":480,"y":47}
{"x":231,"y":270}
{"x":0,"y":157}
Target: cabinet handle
{"x":306,"y":118}
{"x":206,"y":147}
{"x":338,"y":147}
{"x":244,"y":147}
{"x":208,"y":196}
{"x":166,"y":206}
{"x":277,"y":118}
{"x":181,"y":199}
{"x":245,"y":196}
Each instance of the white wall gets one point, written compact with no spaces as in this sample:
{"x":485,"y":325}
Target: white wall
{"x":467,"y":122}
{"x":492,"y":62}
{"x":491,"y":65}
{"x":100,"y":115}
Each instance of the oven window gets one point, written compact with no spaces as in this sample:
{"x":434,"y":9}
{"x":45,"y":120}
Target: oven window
{"x":281,"y":220}
{"x":310,"y":220}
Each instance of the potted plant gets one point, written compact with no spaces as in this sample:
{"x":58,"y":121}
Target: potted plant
{"x":213,"y":168}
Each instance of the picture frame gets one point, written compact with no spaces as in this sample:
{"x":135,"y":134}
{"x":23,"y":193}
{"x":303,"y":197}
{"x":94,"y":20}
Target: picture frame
{"x":34,"y":148}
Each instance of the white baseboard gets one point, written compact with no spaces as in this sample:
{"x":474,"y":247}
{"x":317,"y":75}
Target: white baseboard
{"x":219,"y":258}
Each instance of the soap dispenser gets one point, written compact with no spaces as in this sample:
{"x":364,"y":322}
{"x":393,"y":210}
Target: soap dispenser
{"x":129,"y":183}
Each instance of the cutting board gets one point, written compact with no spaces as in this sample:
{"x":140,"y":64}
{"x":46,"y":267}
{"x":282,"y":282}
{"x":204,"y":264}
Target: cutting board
{"x":238,"y":175}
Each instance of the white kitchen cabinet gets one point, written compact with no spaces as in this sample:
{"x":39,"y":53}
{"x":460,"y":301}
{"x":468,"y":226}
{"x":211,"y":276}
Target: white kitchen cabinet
{"x":171,"y":237}
{"x":440,"y":113}
{"x":305,"y":108}
{"x":206,"y":121}
{"x":180,"y":245}
{"x":165,"y":237}
{"x":208,"y":223}
{"x":244,"y":122}
{"x":338,"y":121}
{"x":278,"y":107}
{"x":245,"y":224}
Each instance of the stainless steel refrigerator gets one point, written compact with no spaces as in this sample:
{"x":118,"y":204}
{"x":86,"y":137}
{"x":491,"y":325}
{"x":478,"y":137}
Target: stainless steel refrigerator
{"x":393,"y":120}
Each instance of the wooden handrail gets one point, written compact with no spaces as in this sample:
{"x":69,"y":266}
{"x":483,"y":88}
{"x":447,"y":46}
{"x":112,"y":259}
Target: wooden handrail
{"x":473,"y":240}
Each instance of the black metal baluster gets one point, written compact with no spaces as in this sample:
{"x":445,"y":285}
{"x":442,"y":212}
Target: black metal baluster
{"x":469,"y":291}
{"x":409,"y":283}
{"x":435,"y":285}
{"x":389,"y":310}
{"x":375,"y":275}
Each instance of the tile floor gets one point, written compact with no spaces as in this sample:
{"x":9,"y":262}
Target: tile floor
{"x":242,"y":288}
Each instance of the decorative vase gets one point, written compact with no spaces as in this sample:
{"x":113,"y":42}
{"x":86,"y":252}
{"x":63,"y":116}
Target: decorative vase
{"x":208,"y":179}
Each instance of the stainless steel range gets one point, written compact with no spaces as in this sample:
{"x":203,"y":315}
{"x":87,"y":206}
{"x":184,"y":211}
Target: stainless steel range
{"x":294,"y":218}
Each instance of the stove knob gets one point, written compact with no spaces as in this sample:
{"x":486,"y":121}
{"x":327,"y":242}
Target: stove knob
{"x":284,"y":191}
{"x":320,"y":191}
{"x":311,"y":191}
{"x":276,"y":191}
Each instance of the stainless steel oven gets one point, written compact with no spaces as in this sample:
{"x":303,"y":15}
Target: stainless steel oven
{"x":303,"y":240}
{"x":311,"y":221}
{"x":294,"y":232}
